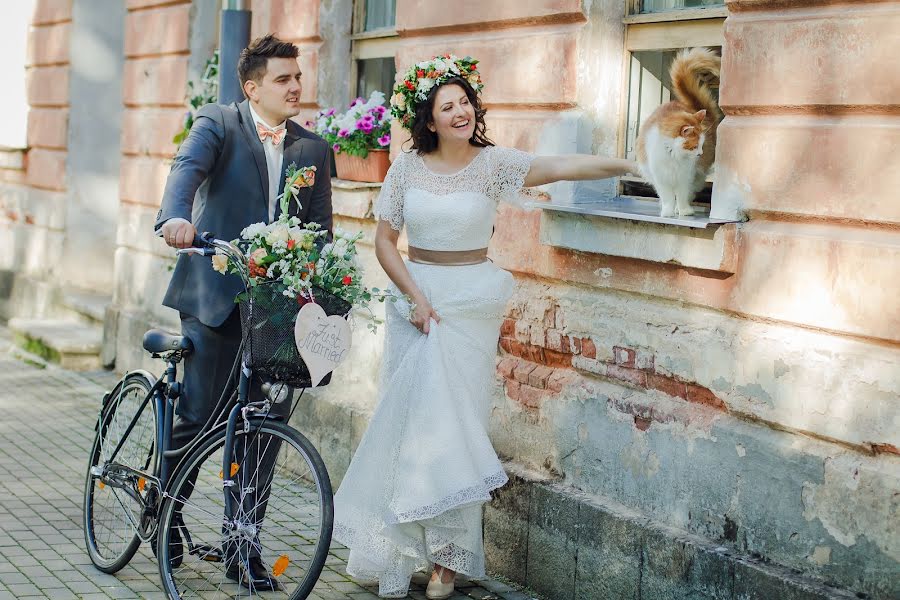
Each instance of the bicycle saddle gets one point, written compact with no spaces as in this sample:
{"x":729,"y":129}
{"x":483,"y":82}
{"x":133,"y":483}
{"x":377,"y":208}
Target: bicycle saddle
{"x":158,"y":341}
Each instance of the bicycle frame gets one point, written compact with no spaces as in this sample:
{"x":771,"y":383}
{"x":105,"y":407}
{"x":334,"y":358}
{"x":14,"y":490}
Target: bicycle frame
{"x":163,"y":393}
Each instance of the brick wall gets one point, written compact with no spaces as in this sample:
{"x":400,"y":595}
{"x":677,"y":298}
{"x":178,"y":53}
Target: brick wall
{"x":48,"y":94}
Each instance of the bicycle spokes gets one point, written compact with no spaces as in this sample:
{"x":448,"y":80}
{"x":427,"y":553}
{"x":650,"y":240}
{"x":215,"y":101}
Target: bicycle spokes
{"x":277,"y":498}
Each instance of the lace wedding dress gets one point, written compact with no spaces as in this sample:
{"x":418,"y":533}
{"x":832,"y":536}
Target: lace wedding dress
{"x":413,"y":493}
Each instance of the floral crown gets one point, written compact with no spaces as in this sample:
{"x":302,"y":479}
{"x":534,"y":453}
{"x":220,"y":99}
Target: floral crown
{"x":422,"y":77}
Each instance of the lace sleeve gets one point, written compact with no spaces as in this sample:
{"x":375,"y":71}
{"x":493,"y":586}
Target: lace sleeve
{"x":389,"y":205}
{"x":509,"y":167}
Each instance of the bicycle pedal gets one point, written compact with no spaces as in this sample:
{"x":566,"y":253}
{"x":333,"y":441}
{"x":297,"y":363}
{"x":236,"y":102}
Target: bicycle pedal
{"x":207,"y":553}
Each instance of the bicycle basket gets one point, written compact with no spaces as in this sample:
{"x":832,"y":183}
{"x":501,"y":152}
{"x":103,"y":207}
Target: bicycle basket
{"x":267,"y":324}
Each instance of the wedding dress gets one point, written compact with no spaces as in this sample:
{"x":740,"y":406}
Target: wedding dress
{"x":414,"y":489}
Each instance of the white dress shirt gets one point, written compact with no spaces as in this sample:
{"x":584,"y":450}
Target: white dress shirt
{"x":274,"y":160}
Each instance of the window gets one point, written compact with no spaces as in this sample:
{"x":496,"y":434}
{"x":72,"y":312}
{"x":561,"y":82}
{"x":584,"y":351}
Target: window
{"x":655,"y":31}
{"x":374,"y":44}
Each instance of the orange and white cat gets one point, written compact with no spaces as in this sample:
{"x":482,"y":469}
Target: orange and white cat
{"x":677,"y":143}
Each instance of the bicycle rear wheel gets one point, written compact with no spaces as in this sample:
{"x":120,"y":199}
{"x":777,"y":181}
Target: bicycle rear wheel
{"x":110,"y":509}
{"x":283,"y":514}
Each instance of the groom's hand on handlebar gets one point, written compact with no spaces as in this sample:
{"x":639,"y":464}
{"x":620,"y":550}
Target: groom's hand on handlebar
{"x":178,"y":233}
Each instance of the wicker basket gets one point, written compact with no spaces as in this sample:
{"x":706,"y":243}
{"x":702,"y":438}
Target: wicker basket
{"x":267,"y":322}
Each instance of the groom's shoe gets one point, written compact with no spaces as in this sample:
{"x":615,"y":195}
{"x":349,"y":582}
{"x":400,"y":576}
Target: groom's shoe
{"x":437,"y":589}
{"x":255,"y":577}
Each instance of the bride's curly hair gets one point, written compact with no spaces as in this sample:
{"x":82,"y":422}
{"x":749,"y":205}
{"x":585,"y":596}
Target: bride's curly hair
{"x":425,"y":141}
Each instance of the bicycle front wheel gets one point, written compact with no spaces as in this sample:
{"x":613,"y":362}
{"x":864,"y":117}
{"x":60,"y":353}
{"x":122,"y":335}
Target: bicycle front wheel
{"x":282,"y":517}
{"x":114,"y":505}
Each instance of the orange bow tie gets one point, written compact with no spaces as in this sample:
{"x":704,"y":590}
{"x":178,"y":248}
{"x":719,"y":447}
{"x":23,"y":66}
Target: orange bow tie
{"x":277,"y":135}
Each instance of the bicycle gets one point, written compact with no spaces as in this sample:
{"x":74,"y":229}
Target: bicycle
{"x":210,"y":505}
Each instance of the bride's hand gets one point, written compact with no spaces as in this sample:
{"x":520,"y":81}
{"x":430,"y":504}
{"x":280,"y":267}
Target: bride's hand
{"x":422,"y":314}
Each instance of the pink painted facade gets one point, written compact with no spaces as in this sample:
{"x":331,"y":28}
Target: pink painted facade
{"x":690,"y":391}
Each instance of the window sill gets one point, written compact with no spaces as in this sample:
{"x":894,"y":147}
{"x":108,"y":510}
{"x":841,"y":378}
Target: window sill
{"x":632,"y":228}
{"x":12,"y":158}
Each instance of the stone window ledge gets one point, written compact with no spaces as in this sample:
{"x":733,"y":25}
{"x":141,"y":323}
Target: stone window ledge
{"x":12,"y":158}
{"x":632,"y":228}
{"x":346,"y":184}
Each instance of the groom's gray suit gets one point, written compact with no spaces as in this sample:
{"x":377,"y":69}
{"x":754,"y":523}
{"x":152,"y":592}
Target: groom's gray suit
{"x":223,"y":162}
{"x":219,"y":182}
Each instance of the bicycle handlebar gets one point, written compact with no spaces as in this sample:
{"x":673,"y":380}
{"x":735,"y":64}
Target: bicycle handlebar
{"x":205,"y":244}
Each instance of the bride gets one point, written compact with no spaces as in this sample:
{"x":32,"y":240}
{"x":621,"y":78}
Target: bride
{"x":413,"y":494}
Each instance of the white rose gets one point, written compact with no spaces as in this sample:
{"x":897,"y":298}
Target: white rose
{"x":296,"y":233}
{"x":399,"y":101}
{"x":278,"y":234}
{"x":220,"y":263}
{"x":253,"y":230}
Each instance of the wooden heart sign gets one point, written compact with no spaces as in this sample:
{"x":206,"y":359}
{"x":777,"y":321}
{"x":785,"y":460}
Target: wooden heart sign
{"x":323,"y":341}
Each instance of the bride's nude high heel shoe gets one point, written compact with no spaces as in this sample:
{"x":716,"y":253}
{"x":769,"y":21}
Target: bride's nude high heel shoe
{"x":437,"y":589}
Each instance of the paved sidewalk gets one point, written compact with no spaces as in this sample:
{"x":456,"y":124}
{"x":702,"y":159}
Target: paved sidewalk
{"x":46,"y":431}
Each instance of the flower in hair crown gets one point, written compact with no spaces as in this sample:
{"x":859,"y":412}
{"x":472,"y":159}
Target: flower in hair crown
{"x":420,"y":78}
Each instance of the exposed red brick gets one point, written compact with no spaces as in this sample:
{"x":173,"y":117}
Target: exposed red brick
{"x":526,"y":351}
{"x":508,"y":328}
{"x":559,"y":379}
{"x":624,"y":356}
{"x":512,"y":389}
{"x":506,"y":367}
{"x":885,"y":449}
{"x":531,"y":397}
{"x":555,"y":340}
{"x":644,"y":360}
{"x":588,"y":349}
{"x":523,"y":332}
{"x":552,"y":358}
{"x":539,"y":377}
{"x":667,"y":385}
{"x":701,"y":395}
{"x":550,"y":316}
{"x":523,"y":370}
{"x":575,"y":344}
{"x":641,"y":423}
{"x":627,"y":375}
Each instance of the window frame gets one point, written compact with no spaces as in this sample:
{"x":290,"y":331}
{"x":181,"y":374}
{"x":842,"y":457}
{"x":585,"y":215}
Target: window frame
{"x":377,"y":43}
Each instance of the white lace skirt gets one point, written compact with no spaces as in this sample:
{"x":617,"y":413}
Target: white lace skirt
{"x":413,"y":493}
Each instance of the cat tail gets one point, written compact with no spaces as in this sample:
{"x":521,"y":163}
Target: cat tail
{"x":687,"y":86}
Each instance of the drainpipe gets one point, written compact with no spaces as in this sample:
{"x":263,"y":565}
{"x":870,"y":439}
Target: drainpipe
{"x":234,"y":36}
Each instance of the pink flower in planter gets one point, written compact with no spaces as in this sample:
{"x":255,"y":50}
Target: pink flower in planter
{"x":336,"y":148}
{"x":343,"y":133}
{"x":384,"y":140}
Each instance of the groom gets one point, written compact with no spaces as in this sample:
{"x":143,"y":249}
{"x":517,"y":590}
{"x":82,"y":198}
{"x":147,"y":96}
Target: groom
{"x":226,"y":175}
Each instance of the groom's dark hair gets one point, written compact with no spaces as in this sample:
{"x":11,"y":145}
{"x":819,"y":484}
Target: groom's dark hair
{"x":255,"y":57}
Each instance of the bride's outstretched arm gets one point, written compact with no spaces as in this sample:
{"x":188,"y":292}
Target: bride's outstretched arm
{"x":386,"y":251}
{"x":572,"y":167}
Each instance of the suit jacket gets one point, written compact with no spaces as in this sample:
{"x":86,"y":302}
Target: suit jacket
{"x":220,"y":183}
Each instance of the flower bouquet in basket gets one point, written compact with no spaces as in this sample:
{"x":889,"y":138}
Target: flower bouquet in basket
{"x":289,"y":265}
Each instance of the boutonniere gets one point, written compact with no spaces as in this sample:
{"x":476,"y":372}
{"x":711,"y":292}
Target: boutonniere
{"x":296,"y":179}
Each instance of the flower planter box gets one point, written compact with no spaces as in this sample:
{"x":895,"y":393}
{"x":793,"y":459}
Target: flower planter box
{"x":372,"y":168}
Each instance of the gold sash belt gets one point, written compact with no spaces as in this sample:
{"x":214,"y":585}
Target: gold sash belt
{"x":447,"y":257}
